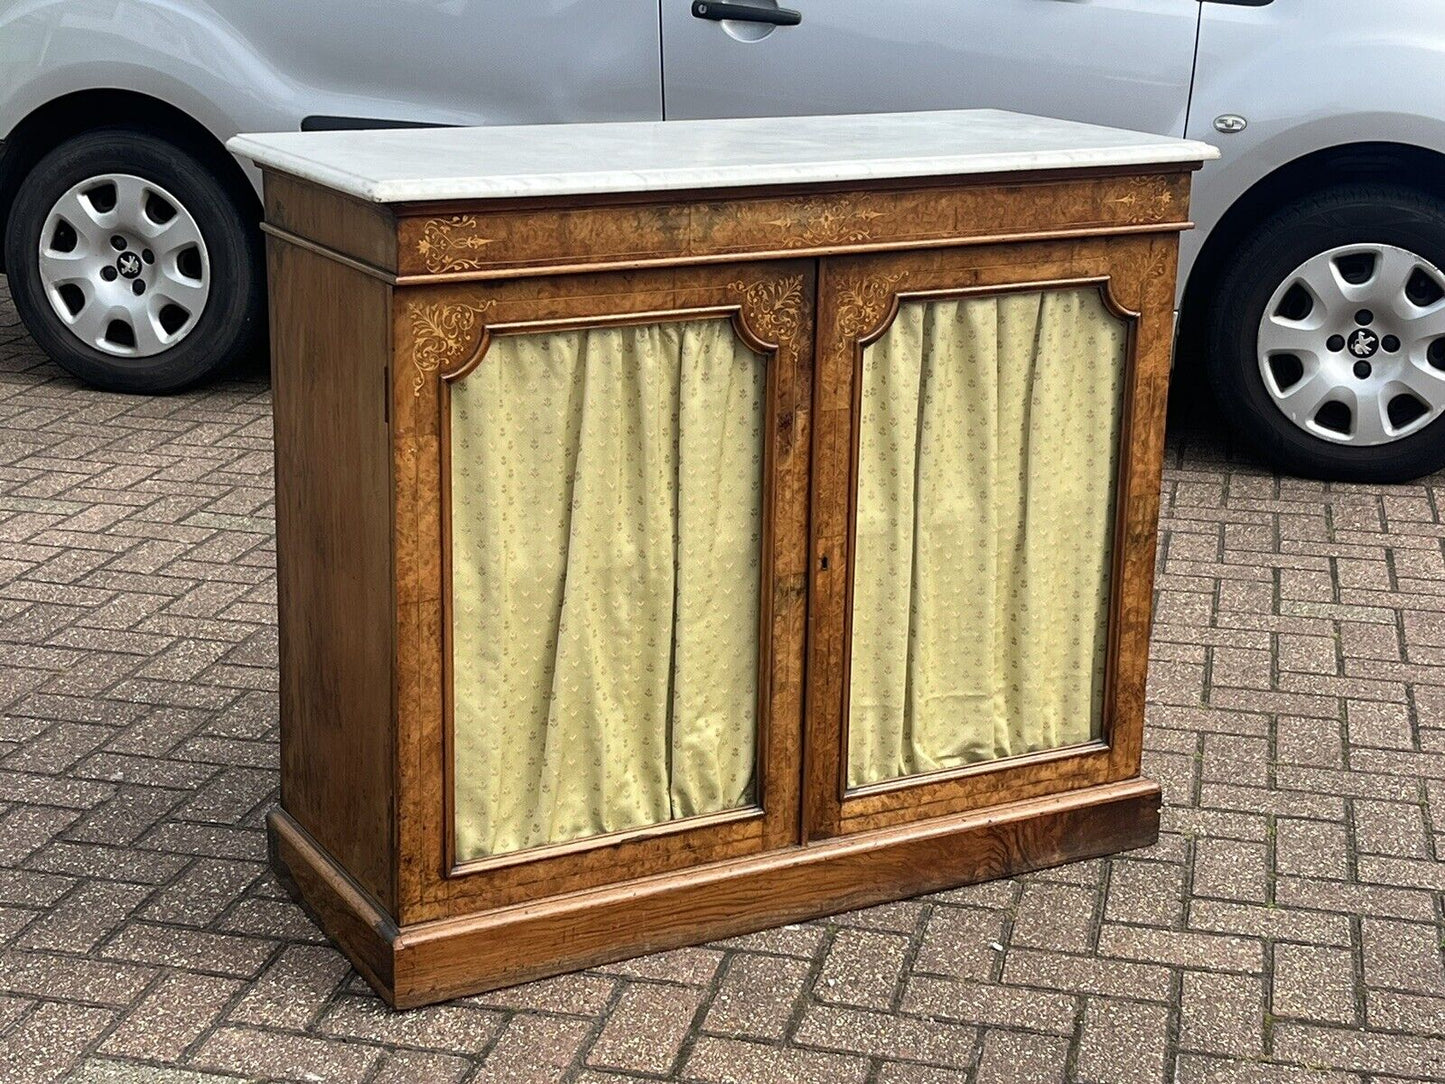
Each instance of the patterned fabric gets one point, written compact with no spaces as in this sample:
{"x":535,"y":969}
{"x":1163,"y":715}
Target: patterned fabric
{"x":606,"y":548}
{"x":987,"y":466}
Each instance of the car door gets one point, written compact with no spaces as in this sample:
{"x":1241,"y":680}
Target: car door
{"x":1120,"y":62}
{"x":447,"y":61}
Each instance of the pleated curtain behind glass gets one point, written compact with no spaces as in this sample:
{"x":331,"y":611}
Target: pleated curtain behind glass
{"x":987,"y":462}
{"x":606,"y":551}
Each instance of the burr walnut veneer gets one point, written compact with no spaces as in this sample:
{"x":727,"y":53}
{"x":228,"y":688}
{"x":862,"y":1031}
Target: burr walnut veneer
{"x":689,"y":528}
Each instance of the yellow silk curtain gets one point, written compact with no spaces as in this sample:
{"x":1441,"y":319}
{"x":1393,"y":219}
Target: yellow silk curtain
{"x":606,"y":550}
{"x":987,"y":460}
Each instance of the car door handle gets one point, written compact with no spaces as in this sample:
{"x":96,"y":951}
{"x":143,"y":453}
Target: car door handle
{"x":745,"y":13}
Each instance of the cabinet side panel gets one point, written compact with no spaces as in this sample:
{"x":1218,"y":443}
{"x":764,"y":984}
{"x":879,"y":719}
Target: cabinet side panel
{"x":330,"y":341}
{"x":362,"y":231}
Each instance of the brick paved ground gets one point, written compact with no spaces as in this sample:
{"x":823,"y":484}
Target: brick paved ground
{"x":1287,"y":928}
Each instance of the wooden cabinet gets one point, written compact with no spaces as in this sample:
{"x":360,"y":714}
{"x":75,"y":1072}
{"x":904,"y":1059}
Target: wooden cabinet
{"x":662,"y":559}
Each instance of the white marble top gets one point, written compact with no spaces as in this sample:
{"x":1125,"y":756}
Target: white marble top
{"x":402,"y":165}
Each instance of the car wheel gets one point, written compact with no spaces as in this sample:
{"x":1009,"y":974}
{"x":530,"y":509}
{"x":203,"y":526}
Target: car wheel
{"x":1326,"y":336}
{"x":132,"y":264}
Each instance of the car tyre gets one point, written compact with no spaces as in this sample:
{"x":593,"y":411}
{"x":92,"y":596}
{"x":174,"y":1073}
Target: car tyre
{"x":1287,"y":358}
{"x":192,"y":308}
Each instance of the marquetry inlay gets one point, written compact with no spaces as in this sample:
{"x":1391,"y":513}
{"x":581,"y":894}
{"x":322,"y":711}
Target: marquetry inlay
{"x":775,"y":306}
{"x":442,"y":335}
{"x":493,"y":243}
{"x":452,"y":244}
{"x":863,"y":302}
{"x":826,"y":222}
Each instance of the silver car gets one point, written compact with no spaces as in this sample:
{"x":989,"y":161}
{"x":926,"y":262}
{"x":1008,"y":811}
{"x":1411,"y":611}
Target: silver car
{"x":1312,"y":294}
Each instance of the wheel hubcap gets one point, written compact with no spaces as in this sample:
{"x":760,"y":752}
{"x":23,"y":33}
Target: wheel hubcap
{"x":1352,"y":345}
{"x":1362,"y":342}
{"x":124,"y":265}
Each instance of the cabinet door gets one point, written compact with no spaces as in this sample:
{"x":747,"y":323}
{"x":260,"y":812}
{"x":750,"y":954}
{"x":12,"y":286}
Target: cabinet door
{"x":620,"y":549}
{"x":989,"y":453}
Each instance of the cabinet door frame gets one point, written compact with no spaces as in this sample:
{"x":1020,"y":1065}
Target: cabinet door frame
{"x":442,"y":334}
{"x":858,"y":299}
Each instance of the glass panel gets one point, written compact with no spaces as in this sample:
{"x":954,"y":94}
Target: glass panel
{"x":607,"y":519}
{"x":987,"y":464}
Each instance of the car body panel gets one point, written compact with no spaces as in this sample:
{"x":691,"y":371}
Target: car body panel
{"x":859,"y":56}
{"x":1169,"y":66}
{"x":240,"y":65}
{"x":1286,"y":68}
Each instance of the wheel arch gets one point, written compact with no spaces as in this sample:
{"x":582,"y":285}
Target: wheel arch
{"x":1405,"y":164}
{"x":59,"y":119}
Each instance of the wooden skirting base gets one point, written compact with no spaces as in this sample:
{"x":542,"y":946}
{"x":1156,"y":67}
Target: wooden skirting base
{"x":432,"y":961}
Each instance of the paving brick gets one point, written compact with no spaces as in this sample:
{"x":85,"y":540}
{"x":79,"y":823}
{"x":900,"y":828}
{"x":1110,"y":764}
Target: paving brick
{"x":1409,"y":903}
{"x":1309,"y":742}
{"x":1230,"y":758}
{"x":901,"y":916}
{"x":1181,"y":948}
{"x":1230,"y":869}
{"x":863,"y":967}
{"x":1308,"y":654}
{"x":172,"y":1015}
{"x":907,"y":1072}
{"x":1055,"y":917}
{"x":582,"y":994}
{"x":797,"y":940}
{"x":1145,"y":893}
{"x":534,"y":1049}
{"x":959,"y":942}
{"x":1254,"y":800}
{"x":1222,"y":1013}
{"x":1368,"y":1052}
{"x":72,"y":978}
{"x":85,"y":917}
{"x":1123,"y":1042}
{"x":1403,"y":956}
{"x":170,"y":946}
{"x":27,"y":828}
{"x":254,"y":1052}
{"x":990,"y":1004}
{"x":293,"y":988}
{"x":1396,"y":829}
{"x":415,"y":1066}
{"x":457,"y":1029}
{"x":1011,"y":1057}
{"x":693,"y":966}
{"x":120,"y":862}
{"x":646,"y":1028}
{"x":1176,"y":774}
{"x":1199,"y":1069}
{"x":1407,"y":873}
{"x":1314,"y":982}
{"x":49,"y":1041}
{"x":1084,"y":974}
{"x":757,"y":996}
{"x":1385,"y":725}
{"x":1273,"y":922}
{"x":127,"y":816}
{"x":732,"y":1060}
{"x":1388,"y":1010}
{"x":110,"y":1071}
{"x":882,"y":1035}
{"x":1311,"y":849}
